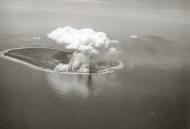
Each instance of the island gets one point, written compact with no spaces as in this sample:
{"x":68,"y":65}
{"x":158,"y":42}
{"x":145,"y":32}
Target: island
{"x":53,"y":60}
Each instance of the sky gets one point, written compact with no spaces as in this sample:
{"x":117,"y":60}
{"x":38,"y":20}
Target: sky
{"x":159,"y":10}
{"x":61,"y":4}
{"x":110,"y":8}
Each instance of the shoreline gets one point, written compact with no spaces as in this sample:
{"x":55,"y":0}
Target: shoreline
{"x":108,"y":70}
{"x":22,"y":62}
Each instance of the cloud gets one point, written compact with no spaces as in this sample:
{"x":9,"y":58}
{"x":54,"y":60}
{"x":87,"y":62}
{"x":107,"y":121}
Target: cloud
{"x":86,"y":39}
{"x":90,"y":47}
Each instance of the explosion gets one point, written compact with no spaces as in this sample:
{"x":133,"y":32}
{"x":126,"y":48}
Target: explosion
{"x":90,"y":47}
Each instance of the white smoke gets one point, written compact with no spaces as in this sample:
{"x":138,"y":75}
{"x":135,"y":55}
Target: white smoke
{"x":82,"y":39}
{"x":87,"y":43}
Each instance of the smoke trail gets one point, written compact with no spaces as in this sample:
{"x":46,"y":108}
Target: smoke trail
{"x":90,"y":45}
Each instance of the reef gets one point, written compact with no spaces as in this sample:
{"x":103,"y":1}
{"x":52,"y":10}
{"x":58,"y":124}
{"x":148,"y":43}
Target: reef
{"x":58,"y":60}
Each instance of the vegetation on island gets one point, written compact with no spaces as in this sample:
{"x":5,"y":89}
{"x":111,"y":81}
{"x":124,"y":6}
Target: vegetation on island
{"x":51,"y":58}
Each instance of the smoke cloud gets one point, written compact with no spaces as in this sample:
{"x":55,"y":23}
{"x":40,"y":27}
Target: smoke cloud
{"x":89,"y":44}
{"x":82,"y":39}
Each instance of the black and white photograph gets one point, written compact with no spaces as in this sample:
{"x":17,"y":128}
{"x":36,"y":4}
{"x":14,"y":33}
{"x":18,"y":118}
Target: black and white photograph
{"x":94,"y":64}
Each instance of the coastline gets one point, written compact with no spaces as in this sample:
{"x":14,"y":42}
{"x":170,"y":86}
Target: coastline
{"x":22,"y":62}
{"x":108,"y":70}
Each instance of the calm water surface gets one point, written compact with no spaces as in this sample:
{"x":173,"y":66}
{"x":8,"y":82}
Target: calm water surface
{"x":142,"y":97}
{"x":151,"y":92}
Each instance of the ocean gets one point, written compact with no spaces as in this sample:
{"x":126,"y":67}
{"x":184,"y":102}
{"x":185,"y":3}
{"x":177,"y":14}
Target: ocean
{"x":151,"y":92}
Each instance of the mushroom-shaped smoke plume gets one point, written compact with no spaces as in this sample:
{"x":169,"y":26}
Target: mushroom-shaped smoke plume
{"x":90,"y":45}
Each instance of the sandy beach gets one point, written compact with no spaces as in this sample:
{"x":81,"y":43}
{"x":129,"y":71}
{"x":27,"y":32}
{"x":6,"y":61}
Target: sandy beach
{"x":108,"y":70}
